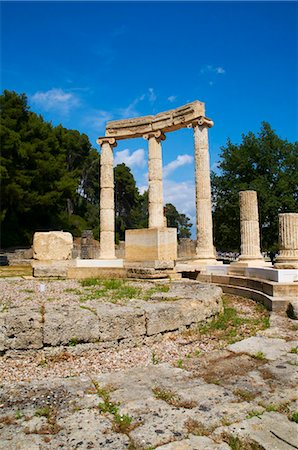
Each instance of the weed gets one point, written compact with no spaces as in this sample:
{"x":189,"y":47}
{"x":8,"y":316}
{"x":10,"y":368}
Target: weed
{"x":162,"y":394}
{"x":122,"y":423}
{"x":235,"y":443}
{"x":272,"y":408}
{"x":197,"y":428}
{"x":294,"y":350}
{"x":7,"y":420}
{"x":73,"y":291}
{"x":4,"y":307}
{"x":294,"y":417}
{"x":29,"y":291}
{"x":253,"y":413}
{"x":73,"y":342}
{"x":91,"y":282}
{"x":172,"y":399}
{"x":259,"y":355}
{"x":154,"y":358}
{"x":88,"y":309}
{"x":43,"y":412}
{"x":244,"y":395}
{"x":112,"y":284}
{"x":292,"y":363}
{"x":156,"y":289}
{"x":18,"y":414}
{"x":197,"y":352}
{"x":127,"y":292}
{"x":180,"y":363}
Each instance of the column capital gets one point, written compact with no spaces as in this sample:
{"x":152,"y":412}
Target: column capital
{"x":159,"y":135}
{"x":201,"y":121}
{"x":107,"y":140}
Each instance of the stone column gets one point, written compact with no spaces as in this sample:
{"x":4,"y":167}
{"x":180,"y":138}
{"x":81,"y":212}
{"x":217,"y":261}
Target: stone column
{"x":155,"y":194}
{"x":249,"y":228}
{"x":288,"y":241}
{"x":107,"y":209}
{"x":205,"y":253}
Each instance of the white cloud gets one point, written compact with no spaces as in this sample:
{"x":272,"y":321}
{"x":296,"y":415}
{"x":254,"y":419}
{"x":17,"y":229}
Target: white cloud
{"x":209,"y":68}
{"x":151,"y":95}
{"x":142,"y":189}
{"x":135,"y":159}
{"x":181,"y":160}
{"x":55,"y":99}
{"x":96,"y":119}
{"x":181,"y":195}
{"x":172,"y":98}
{"x":220,"y":70}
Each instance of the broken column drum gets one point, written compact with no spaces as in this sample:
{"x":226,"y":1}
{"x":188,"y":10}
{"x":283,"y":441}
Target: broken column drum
{"x":288,"y":241}
{"x":249,"y":226}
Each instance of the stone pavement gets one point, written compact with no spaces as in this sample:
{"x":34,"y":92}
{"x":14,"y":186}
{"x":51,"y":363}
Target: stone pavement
{"x":239,"y":398}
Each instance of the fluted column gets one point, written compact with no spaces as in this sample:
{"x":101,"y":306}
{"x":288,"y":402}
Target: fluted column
{"x":288,"y":241}
{"x":107,"y":208}
{"x":204,"y":246}
{"x":249,"y":227}
{"x":155,"y":191}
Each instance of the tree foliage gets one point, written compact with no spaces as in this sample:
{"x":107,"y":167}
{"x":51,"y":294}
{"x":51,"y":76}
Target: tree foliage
{"x":262,"y":162}
{"x":177,"y":220}
{"x":41,"y":170}
{"x":50,"y":180}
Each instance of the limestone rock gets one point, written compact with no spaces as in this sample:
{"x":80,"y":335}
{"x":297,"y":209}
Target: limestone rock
{"x":267,"y":432}
{"x":21,"y":328}
{"x":52,"y":245}
{"x":195,"y":443}
{"x":271,"y":348}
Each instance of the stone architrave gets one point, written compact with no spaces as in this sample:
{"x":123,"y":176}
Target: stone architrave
{"x":107,"y":208}
{"x":288,"y":241}
{"x":155,"y":190}
{"x":52,"y":246}
{"x":250,"y":253}
{"x":205,"y":253}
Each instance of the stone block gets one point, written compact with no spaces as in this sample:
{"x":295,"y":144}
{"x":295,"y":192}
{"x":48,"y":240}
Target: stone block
{"x":51,"y":268}
{"x":151,"y":244}
{"x":22,"y":328}
{"x":52,"y":245}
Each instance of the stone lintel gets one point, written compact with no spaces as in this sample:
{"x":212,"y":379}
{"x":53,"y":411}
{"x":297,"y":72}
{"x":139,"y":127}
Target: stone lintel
{"x":166,"y":121}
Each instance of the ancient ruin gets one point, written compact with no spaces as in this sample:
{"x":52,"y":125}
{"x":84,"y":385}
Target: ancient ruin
{"x":143,"y":246}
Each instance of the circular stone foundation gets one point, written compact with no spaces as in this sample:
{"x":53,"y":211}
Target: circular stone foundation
{"x":101,"y":314}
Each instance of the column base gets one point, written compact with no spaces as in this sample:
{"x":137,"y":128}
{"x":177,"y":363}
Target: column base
{"x":197,"y":261}
{"x":238,"y":267}
{"x":253,"y":262}
{"x":286,"y":263}
{"x":151,"y":244}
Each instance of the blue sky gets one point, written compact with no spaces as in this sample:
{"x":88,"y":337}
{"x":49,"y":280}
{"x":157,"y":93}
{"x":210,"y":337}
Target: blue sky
{"x":82,"y":63}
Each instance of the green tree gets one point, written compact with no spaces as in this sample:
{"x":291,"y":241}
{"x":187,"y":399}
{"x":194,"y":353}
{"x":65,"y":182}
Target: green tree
{"x":41,"y":173}
{"x":178,"y":220}
{"x":127,"y":200}
{"x":262,"y":162}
